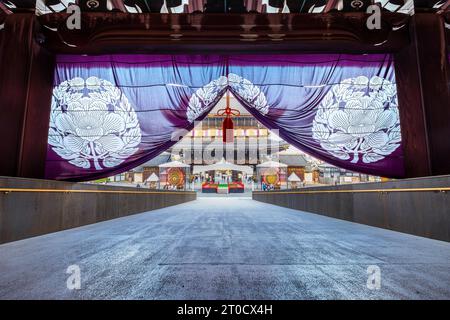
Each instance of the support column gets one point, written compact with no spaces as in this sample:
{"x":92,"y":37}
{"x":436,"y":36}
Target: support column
{"x":422,"y":79}
{"x":26,"y":81}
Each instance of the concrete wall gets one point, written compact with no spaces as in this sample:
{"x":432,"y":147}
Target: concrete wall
{"x":421,"y":213}
{"x":28,"y":214}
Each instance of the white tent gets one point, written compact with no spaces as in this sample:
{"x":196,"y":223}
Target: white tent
{"x":153,"y":178}
{"x":223,"y":165}
{"x":294,"y":178}
{"x":174,"y":164}
{"x":271,"y":164}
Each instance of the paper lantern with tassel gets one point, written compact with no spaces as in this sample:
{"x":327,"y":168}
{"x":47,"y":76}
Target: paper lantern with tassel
{"x":227,"y":125}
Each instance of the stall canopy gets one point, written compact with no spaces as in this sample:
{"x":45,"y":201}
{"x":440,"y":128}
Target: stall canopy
{"x":294,"y":178}
{"x":174,"y":164}
{"x":222,"y":166}
{"x":271,"y":164}
{"x":153,"y":178}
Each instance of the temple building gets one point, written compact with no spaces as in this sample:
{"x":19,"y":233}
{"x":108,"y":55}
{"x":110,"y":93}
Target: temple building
{"x":251,"y":145}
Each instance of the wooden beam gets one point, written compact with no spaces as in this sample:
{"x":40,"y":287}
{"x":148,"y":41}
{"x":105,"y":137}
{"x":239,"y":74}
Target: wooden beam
{"x":212,"y":33}
{"x":422,"y":74}
{"x":26,"y":82}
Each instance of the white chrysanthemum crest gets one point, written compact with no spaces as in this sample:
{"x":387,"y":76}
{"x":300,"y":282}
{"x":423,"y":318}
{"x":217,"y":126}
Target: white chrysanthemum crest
{"x":358,"y":120}
{"x":249,"y":92}
{"x":92,"y":123}
{"x":201,"y":100}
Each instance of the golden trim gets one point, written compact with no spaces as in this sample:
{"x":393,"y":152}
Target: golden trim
{"x":8,"y":190}
{"x":444,"y":189}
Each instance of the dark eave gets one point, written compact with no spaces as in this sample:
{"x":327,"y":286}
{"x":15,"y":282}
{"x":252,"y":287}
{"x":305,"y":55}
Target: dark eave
{"x":114,"y":32}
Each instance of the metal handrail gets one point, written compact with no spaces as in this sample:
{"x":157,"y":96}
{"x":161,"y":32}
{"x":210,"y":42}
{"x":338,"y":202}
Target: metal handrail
{"x":10,"y":190}
{"x":442,"y":189}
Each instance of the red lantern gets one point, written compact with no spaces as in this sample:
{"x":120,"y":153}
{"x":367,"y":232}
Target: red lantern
{"x":227,"y":128}
{"x":227,"y":125}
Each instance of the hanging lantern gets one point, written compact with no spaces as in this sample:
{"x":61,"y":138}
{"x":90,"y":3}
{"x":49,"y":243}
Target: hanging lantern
{"x":227,"y":125}
{"x":227,"y":128}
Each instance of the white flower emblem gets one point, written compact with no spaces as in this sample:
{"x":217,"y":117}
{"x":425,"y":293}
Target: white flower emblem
{"x":359,"y":117}
{"x":202,"y":99}
{"x":92,"y":122}
{"x":249,"y":92}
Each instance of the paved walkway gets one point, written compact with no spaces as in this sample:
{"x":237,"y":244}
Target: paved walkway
{"x":219,"y":248}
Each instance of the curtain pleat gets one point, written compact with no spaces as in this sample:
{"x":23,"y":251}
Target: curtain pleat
{"x":342,"y":109}
{"x":112,"y":113}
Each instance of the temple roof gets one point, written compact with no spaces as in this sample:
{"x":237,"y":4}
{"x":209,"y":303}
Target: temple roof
{"x":162,"y":158}
{"x":293,"y":160}
{"x":234,"y":104}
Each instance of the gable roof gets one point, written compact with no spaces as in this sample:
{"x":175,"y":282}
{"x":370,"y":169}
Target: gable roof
{"x":293,"y":160}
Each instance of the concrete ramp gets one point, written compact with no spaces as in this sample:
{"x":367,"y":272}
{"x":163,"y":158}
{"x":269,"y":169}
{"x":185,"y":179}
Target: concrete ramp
{"x":226,"y":248}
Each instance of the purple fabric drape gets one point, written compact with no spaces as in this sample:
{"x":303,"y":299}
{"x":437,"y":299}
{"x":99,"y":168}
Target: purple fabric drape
{"x":339,"y":108}
{"x":112,"y":113}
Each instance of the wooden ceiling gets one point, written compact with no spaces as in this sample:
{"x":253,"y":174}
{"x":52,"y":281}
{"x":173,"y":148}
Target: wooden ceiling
{"x":224,"y":33}
{"x":261,"y":6}
{"x":322,"y":26}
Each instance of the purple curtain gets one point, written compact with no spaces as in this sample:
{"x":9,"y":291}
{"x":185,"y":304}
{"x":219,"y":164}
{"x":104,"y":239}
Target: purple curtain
{"x":342,"y":109}
{"x":112,"y":113}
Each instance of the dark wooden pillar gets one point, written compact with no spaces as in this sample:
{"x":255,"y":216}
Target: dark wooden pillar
{"x":422,"y":79}
{"x":26,"y":78}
